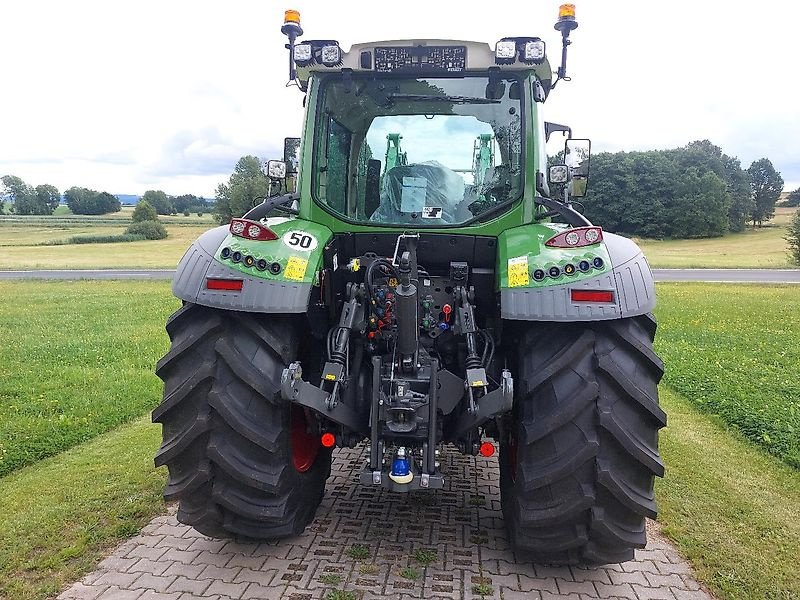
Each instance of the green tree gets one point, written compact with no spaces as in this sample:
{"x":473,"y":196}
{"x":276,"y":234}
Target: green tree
{"x":17,"y":193}
{"x":700,"y":205}
{"x":185,"y":202}
{"x":108,"y":203}
{"x":160,"y":201}
{"x":144,"y":211}
{"x":793,"y":237}
{"x":48,"y":196}
{"x":767,"y":185}
{"x":245,"y":185}
{"x":83,"y":201}
{"x":150,"y":230}
{"x":794,"y":198}
{"x":738,"y":183}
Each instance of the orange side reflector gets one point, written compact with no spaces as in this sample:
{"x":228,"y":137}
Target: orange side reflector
{"x":227,"y":285}
{"x":601,"y":296}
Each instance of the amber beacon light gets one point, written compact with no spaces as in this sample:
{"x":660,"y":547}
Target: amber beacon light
{"x":293,"y":16}
{"x":566,"y":11}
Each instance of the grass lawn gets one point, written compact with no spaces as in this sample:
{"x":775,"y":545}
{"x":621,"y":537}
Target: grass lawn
{"x":754,"y":248}
{"x":76,"y":359}
{"x":732,"y":349}
{"x":731,"y":508}
{"x":61,"y":515}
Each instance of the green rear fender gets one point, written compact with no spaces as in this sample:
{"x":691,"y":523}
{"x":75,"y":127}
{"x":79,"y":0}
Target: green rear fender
{"x":277,"y":275}
{"x":536,"y":282}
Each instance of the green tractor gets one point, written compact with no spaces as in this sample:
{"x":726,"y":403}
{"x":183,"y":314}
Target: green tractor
{"x":454,"y":299}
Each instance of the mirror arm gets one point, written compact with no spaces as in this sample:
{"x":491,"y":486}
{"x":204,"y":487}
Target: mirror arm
{"x":571,"y":216}
{"x":263,"y":209}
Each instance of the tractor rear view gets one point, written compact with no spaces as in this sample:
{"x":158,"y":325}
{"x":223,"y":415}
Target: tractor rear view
{"x":450,"y":295}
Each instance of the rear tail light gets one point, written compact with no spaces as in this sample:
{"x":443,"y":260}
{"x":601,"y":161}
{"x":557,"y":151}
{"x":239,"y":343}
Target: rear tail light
{"x":252,"y":230}
{"x":226,"y":285}
{"x":599,"y":296}
{"x":575,"y":238}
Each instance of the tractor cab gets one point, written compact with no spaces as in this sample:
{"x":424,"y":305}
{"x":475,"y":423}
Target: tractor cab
{"x":467,"y":114}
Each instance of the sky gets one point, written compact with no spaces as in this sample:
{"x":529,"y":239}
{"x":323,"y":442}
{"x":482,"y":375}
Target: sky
{"x":128,"y":96}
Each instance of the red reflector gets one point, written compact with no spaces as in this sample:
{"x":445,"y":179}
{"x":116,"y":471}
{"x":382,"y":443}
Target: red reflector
{"x":605,"y":296}
{"x":487,"y":449}
{"x":228,"y":285}
{"x":328,"y":439}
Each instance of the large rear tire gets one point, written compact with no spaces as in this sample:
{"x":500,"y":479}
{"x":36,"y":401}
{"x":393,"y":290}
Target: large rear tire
{"x":241,"y":460}
{"x":580,"y":453}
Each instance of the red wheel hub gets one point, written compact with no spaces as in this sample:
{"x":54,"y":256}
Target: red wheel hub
{"x":305,"y":445}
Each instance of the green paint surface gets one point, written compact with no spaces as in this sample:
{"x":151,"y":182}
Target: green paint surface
{"x":290,"y":257}
{"x":525,"y":246}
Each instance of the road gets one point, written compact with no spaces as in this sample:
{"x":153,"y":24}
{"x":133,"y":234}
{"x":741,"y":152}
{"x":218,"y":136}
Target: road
{"x":708,"y":275}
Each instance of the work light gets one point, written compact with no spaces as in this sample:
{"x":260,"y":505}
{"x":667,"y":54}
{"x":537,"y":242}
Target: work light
{"x":303,"y":54}
{"x":331,"y":55}
{"x":505,"y":52}
{"x":533,"y":52}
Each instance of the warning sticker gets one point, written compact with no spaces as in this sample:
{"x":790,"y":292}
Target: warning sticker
{"x":295,"y":268}
{"x":431,"y":212}
{"x":518,"y":271}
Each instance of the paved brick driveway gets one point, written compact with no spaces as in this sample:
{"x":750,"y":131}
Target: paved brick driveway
{"x":462,"y":524}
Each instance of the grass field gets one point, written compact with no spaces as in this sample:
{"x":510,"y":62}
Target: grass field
{"x":762,"y":248}
{"x":127,"y":212}
{"x":731,"y":508}
{"x":20,"y":249}
{"x":20,"y":238}
{"x":732,"y":349}
{"x":24,"y":242}
{"x":61,"y":515}
{"x":76,"y":359}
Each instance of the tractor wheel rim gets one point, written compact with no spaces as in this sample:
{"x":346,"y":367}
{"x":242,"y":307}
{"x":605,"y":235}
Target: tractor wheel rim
{"x":305,"y":445}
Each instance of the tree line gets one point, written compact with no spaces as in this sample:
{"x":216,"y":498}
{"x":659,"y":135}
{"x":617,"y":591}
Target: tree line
{"x":25,"y":199}
{"x":28,"y":200}
{"x":172,"y":205}
{"x":688,"y":192}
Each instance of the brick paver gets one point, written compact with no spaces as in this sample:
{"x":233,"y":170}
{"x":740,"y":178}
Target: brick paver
{"x":462,"y":524}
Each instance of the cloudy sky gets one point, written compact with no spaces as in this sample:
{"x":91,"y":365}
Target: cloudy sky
{"x":127,"y":96}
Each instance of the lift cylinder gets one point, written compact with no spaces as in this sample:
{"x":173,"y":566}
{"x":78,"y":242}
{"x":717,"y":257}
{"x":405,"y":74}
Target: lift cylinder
{"x":406,"y":301}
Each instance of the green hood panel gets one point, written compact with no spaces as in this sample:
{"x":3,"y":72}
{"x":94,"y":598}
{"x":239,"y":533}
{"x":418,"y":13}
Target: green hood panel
{"x":522,"y":251}
{"x":297,"y":251}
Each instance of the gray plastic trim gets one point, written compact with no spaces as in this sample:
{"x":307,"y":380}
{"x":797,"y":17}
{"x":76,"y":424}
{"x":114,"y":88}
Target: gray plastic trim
{"x":257,"y":295}
{"x":631,"y":278}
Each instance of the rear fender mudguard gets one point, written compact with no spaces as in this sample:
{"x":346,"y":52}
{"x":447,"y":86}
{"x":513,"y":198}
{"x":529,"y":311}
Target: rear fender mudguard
{"x":617,"y":265}
{"x":277,"y":275}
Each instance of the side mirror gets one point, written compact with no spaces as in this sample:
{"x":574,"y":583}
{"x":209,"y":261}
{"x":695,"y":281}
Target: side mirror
{"x":276,"y":170}
{"x":291,"y":154}
{"x":576,"y":156}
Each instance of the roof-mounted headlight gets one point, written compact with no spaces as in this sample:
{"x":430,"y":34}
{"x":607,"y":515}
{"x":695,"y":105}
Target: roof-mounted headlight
{"x":331,"y":55}
{"x":505,"y":52}
{"x":303,"y":54}
{"x":533,"y":52}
